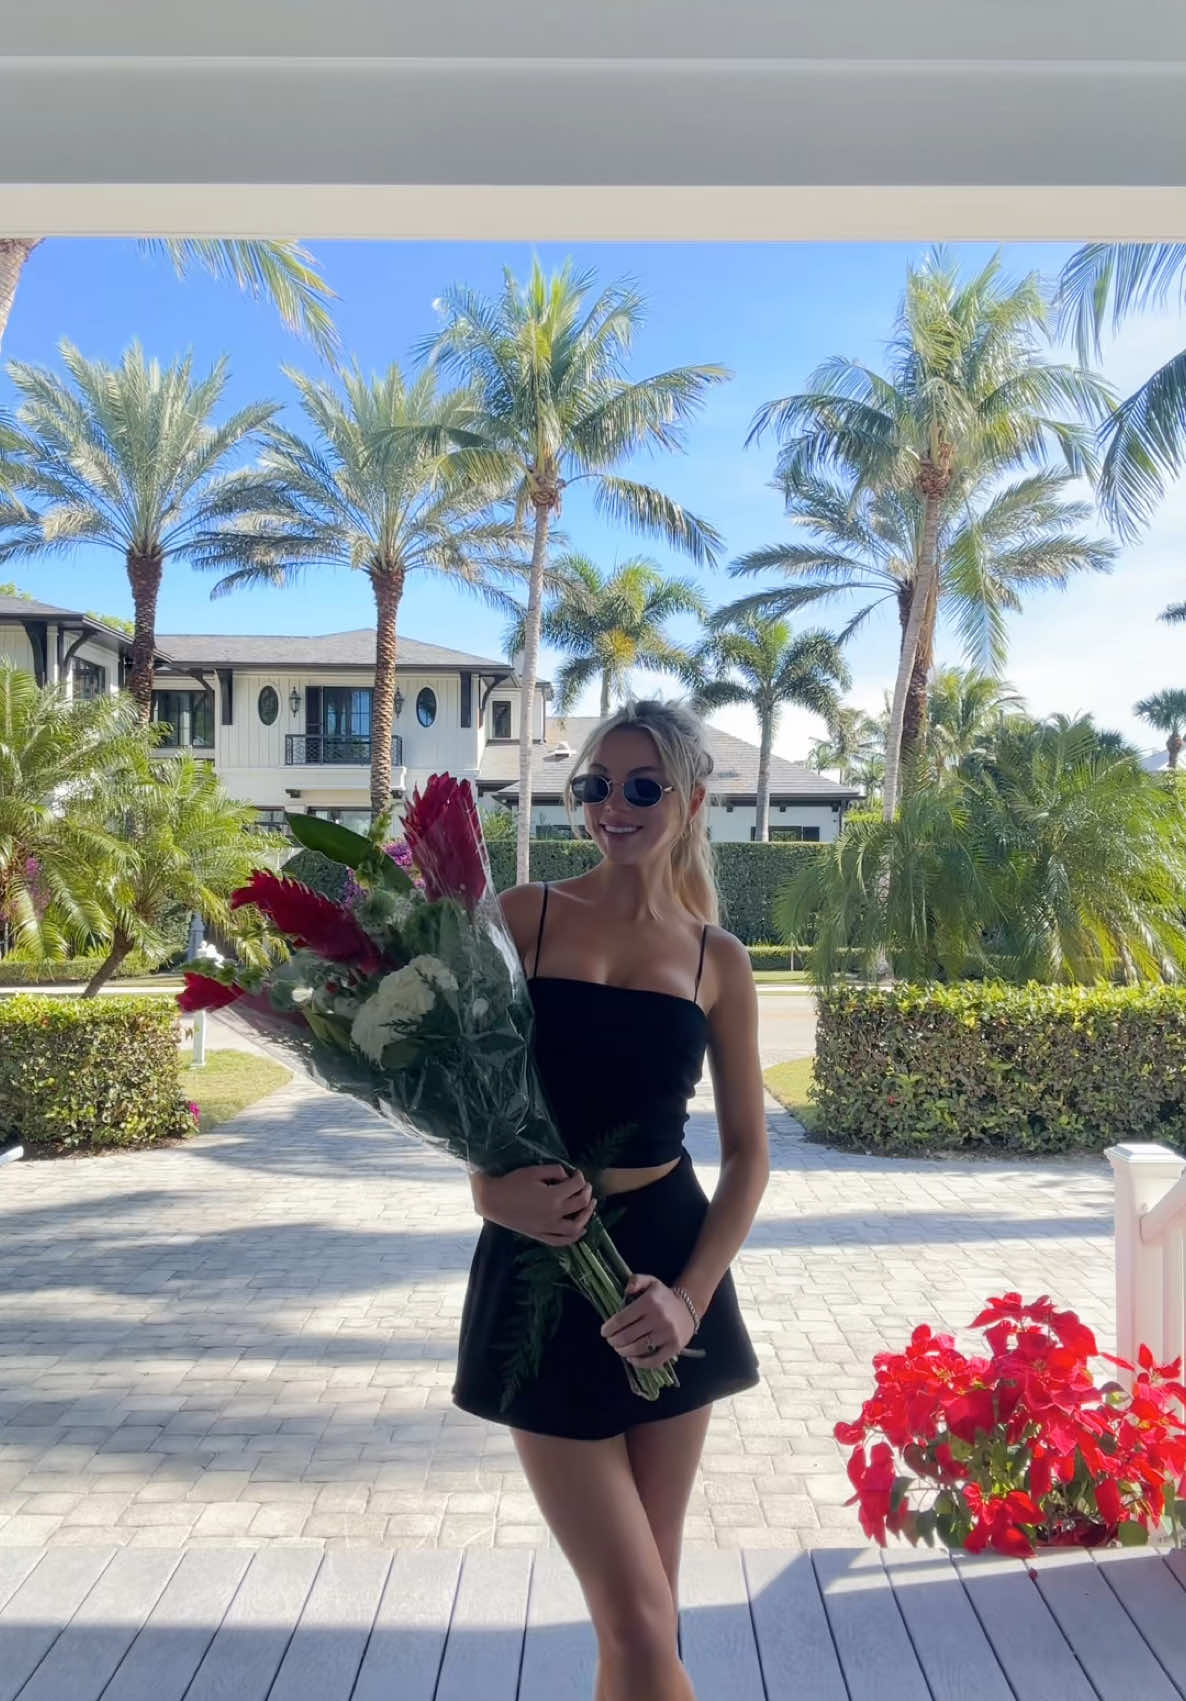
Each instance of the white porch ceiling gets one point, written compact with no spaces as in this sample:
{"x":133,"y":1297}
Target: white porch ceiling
{"x":628,"y":118}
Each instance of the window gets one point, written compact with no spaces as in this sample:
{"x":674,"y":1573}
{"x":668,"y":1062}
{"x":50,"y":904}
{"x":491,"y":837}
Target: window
{"x":358,"y":820}
{"x":268,"y":704}
{"x":338,"y":724}
{"x":501,"y":724}
{"x":467,"y":699}
{"x":271,"y":821}
{"x":189,"y":715}
{"x":426,"y":707}
{"x":88,"y":680}
{"x":800,"y":835}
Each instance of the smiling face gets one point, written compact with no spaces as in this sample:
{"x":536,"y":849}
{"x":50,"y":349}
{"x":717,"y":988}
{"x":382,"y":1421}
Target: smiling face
{"x":623,"y":832}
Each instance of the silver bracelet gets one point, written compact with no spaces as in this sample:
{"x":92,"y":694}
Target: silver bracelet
{"x":687,"y":1299}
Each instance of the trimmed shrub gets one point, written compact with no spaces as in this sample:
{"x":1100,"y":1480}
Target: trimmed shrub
{"x":1001,"y":1068}
{"x":797,"y":957}
{"x":749,"y":876}
{"x":85,"y":1073}
{"x":70,"y":971}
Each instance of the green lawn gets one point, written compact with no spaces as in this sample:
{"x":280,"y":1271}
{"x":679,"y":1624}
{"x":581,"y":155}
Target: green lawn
{"x":781,"y":977}
{"x":229,"y":1082}
{"x":789,"y":1083}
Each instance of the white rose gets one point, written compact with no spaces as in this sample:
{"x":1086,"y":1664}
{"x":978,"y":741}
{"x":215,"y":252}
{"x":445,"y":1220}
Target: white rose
{"x":398,"y":1001}
{"x":435,"y":971}
{"x":301,"y":994}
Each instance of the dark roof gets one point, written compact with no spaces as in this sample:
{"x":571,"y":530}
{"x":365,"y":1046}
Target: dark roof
{"x":19,"y":608}
{"x":734,"y":775}
{"x":334,"y":649}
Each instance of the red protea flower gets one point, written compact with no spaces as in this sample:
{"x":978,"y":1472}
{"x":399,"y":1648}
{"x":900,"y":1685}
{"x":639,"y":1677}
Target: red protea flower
{"x":309,"y":920}
{"x":445,"y":838}
{"x":202,"y":993}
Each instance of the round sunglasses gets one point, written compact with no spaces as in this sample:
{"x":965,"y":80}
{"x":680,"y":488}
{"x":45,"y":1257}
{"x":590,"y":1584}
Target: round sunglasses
{"x":639,"y":791}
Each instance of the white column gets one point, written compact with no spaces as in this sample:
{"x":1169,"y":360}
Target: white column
{"x":1143,"y":1174}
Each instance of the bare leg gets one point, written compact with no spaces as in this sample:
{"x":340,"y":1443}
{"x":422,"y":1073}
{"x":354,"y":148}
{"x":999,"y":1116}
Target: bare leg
{"x":587,"y":1492}
{"x":664,"y":1457}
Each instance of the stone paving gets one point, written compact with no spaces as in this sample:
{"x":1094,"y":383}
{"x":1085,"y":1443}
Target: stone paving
{"x":250,"y":1339}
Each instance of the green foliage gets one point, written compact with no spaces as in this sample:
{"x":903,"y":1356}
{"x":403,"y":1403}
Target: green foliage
{"x":749,"y":879}
{"x":320,"y":873}
{"x":78,"y":1074}
{"x":66,"y":970}
{"x":1026,"y":1069}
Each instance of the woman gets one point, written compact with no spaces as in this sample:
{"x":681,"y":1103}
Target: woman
{"x":631,"y":982}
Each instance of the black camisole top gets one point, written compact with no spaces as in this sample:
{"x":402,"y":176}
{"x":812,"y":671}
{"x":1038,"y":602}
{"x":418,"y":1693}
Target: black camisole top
{"x":618,"y":1063}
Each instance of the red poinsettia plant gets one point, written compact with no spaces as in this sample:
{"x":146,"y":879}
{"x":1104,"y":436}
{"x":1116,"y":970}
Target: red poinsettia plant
{"x":1021,"y":1446}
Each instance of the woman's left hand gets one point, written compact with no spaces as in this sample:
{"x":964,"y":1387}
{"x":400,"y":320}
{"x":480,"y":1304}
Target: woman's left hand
{"x":653,"y":1325}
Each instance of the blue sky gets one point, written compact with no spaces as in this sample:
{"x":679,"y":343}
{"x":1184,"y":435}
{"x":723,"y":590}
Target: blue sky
{"x":769,"y":312}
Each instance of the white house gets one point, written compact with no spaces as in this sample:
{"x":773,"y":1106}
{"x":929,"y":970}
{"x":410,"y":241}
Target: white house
{"x":286,"y":722}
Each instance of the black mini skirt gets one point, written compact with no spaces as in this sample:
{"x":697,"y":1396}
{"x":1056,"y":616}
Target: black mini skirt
{"x":581,"y":1390}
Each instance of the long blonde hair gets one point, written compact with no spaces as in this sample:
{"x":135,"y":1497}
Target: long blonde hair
{"x":679,"y":739}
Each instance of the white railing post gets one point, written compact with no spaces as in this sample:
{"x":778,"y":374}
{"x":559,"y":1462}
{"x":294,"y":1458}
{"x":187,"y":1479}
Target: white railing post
{"x":1143,"y":1174}
{"x":199,"y":1039}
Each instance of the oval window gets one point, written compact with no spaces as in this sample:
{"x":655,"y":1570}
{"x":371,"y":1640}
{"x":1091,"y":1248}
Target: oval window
{"x":268,"y":705}
{"x":426,"y":707}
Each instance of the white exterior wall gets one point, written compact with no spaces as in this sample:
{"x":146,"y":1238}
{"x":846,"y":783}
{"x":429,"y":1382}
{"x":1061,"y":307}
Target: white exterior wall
{"x":14,"y":646}
{"x":99,"y":653}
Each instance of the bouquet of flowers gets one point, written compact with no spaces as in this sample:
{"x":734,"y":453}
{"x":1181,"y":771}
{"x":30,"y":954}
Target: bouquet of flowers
{"x":414,"y":989}
{"x":1021,"y":1446}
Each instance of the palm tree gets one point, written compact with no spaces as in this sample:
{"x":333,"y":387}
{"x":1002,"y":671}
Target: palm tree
{"x":377,"y":489}
{"x":854,"y":740}
{"x":1174,"y":615}
{"x":1167,"y":712}
{"x":182,"y":843}
{"x":609,"y":625}
{"x":993,"y":544}
{"x":124,"y":458}
{"x":760,"y":664}
{"x":548,"y":359}
{"x":53,"y":750}
{"x":1056,"y":858}
{"x":967,"y":398}
{"x":1146,"y":434}
{"x":280,"y":272}
{"x":966,"y":710}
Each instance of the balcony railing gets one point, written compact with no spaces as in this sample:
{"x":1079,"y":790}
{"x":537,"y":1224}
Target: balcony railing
{"x":316,"y":749}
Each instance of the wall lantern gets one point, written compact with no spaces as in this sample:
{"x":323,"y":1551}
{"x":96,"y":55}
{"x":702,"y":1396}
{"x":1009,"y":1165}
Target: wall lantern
{"x":294,"y":701}
{"x":399,"y":702}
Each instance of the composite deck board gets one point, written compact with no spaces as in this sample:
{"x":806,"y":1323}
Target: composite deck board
{"x":179,"y":1627}
{"x":485,"y":1646}
{"x":38,"y":1611}
{"x":1113,"y":1654}
{"x":93,"y":1644}
{"x":716,"y":1629}
{"x":1035,"y":1655}
{"x":560,"y":1650}
{"x":242,"y":1661}
{"x":331,"y":1637}
{"x":1154,"y":1600}
{"x":952,"y":1649}
{"x":407,"y":1645}
{"x":367,"y":1624}
{"x":795,"y":1646}
{"x":876,"y":1655}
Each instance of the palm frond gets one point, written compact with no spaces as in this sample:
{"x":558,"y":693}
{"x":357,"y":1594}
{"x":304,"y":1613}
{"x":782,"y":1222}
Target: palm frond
{"x":281,"y":272}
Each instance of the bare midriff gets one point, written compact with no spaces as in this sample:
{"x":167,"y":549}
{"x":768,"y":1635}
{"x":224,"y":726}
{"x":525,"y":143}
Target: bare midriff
{"x":627,"y":1180}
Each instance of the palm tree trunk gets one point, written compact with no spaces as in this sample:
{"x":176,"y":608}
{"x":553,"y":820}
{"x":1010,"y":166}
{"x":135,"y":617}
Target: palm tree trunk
{"x":144,"y":576}
{"x":924,"y":580}
{"x":914,"y":720}
{"x":539,"y":556}
{"x":121,"y":947}
{"x":604,"y":692}
{"x":14,"y":251}
{"x":388,"y":586}
{"x":1173,"y":745}
{"x":762,"y":809}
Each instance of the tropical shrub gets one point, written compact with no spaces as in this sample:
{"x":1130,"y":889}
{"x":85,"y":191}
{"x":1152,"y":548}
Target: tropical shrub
{"x":82,"y":1074}
{"x":65,"y":970}
{"x":1012,"y":1068}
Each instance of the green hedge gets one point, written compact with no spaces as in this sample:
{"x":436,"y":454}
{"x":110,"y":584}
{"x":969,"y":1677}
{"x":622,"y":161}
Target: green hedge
{"x":71,"y":971}
{"x":749,"y":876}
{"x":1010,"y":1068}
{"x":84,"y":1073}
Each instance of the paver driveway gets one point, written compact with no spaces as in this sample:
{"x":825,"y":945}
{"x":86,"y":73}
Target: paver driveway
{"x":251,"y":1338}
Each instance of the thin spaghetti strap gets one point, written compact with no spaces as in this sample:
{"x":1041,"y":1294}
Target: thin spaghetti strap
{"x":700,"y":966}
{"x":539,"y":938}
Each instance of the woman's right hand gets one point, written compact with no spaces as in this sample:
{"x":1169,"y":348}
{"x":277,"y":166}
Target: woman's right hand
{"x":541,"y":1201}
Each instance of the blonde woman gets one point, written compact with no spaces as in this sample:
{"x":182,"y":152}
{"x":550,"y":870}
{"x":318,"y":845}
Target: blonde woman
{"x":632,"y":983}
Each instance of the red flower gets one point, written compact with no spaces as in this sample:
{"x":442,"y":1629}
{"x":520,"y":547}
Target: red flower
{"x":445,"y":836}
{"x":310,"y":920}
{"x":202,"y":993}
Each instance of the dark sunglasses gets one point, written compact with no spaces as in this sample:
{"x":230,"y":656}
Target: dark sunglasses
{"x":639,"y":791}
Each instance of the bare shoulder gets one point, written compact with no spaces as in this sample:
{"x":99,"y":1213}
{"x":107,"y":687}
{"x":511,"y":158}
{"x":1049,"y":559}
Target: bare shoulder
{"x":728,"y":969}
{"x":521,"y":906}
